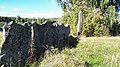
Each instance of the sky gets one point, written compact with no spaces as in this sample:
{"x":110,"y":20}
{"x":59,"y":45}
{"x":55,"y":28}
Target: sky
{"x":30,"y":8}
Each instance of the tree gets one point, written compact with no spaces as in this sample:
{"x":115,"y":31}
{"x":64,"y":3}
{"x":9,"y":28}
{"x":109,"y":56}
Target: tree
{"x":22,"y":20}
{"x":33,"y":19}
{"x":66,"y":5}
{"x":18,"y":19}
{"x":96,"y":22}
{"x":39,"y":21}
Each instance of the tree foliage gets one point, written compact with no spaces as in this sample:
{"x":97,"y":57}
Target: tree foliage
{"x":96,"y":20}
{"x":21,"y":20}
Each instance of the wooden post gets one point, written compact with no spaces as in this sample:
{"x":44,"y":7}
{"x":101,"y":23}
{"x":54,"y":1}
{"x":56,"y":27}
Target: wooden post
{"x":79,"y":27}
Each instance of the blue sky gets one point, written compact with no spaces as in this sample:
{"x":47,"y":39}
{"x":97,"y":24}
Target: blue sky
{"x":30,"y":8}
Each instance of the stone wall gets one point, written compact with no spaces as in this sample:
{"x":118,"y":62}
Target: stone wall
{"x":16,"y":45}
{"x":26,"y":43}
{"x":49,"y":34}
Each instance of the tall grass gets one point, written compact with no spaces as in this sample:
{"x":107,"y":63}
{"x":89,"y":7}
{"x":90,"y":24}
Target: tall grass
{"x":1,"y":39}
{"x":90,"y":52}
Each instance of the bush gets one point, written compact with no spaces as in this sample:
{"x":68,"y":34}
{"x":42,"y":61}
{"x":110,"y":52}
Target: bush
{"x":95,"y":24}
{"x":2,"y":23}
{"x":96,"y":21}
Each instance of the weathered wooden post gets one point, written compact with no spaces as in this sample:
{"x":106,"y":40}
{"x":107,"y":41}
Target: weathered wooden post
{"x":79,"y":27}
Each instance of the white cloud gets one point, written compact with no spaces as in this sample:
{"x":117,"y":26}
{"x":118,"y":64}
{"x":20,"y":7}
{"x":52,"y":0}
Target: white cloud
{"x":4,"y":13}
{"x":9,"y":14}
{"x":31,"y":15}
{"x":16,"y":9}
{"x":2,"y":6}
{"x":43,"y":15}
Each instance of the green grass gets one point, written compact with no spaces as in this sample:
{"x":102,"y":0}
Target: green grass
{"x":91,"y":51}
{"x":1,"y":39}
{"x":2,"y":23}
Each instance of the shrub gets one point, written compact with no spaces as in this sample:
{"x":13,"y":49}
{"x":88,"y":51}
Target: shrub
{"x":1,"y":24}
{"x":96,"y":21}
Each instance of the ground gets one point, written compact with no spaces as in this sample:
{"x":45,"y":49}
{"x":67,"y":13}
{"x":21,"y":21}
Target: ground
{"x":90,"y":51}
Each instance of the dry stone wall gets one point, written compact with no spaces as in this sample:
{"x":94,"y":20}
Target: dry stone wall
{"x":49,"y":34}
{"x":25,"y":43}
{"x":16,"y":45}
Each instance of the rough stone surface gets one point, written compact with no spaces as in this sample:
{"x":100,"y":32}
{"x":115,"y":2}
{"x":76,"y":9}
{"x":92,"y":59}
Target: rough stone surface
{"x":16,"y":45}
{"x":49,"y":34}
{"x":25,"y":43}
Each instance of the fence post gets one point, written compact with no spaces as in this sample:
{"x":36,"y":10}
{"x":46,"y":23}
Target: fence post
{"x":79,"y":26}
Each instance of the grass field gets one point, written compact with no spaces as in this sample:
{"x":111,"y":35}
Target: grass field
{"x":1,"y":39}
{"x":90,"y":52}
